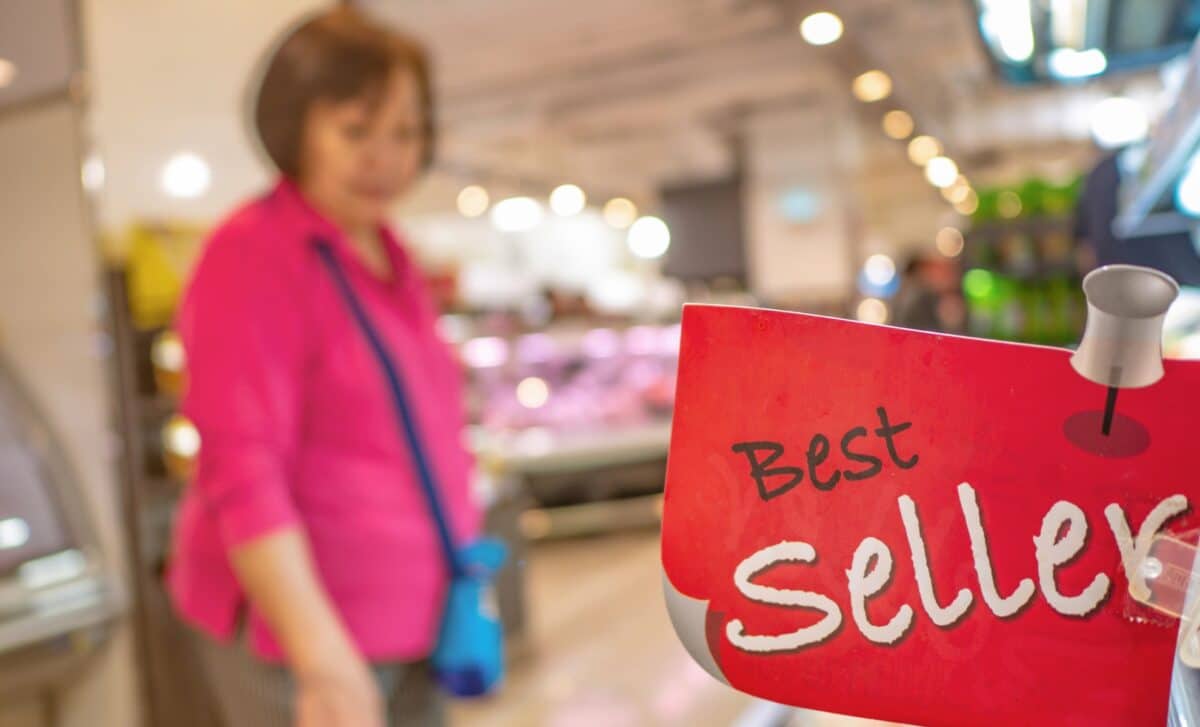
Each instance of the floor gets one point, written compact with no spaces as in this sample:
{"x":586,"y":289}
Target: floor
{"x":601,"y":652}
{"x":600,"y":649}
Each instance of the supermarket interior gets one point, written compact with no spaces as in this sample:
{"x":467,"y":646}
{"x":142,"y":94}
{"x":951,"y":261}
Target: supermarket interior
{"x":946,"y":165}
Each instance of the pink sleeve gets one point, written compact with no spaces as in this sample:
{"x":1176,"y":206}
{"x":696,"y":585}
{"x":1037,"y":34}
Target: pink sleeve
{"x":242,"y":328}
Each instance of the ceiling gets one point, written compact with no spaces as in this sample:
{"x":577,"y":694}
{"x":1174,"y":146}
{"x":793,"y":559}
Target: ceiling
{"x":620,"y":96}
{"x":629,"y":93}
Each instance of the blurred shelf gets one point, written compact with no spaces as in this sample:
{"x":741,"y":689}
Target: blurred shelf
{"x":592,"y":518}
{"x":538,"y":452}
{"x":1032,"y":226}
{"x":156,"y":407}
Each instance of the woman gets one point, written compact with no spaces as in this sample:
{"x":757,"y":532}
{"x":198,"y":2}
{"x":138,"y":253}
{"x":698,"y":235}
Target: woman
{"x":304,"y":554}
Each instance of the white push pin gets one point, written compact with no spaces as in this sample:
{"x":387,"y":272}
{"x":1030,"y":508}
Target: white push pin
{"x":1122,"y":342}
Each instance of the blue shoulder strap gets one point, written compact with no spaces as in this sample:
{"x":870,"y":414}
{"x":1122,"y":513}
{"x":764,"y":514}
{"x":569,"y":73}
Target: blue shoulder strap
{"x":404,"y":412}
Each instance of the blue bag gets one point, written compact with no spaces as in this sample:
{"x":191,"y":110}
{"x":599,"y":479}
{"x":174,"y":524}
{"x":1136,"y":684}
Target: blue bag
{"x":468,"y":660}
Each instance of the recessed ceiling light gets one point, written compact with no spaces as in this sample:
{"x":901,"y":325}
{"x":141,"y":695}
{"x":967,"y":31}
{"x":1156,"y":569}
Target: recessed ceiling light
{"x":821,"y":28}
{"x":872,"y":86}
{"x":898,"y":124}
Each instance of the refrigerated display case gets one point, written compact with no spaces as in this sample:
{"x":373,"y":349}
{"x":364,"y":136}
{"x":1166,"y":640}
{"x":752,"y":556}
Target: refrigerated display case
{"x":578,"y":419}
{"x":58,"y":595}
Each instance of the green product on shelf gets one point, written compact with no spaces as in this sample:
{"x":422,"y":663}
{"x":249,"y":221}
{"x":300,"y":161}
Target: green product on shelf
{"x":1033,"y":197}
{"x":1058,"y":300}
{"x":1010,"y":323}
{"x":987,"y":209}
{"x":1059,"y":199}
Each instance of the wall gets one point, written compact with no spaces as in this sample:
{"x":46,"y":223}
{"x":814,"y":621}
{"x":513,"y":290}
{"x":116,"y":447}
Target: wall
{"x":170,"y":76}
{"x":51,"y":322}
{"x":806,"y":260}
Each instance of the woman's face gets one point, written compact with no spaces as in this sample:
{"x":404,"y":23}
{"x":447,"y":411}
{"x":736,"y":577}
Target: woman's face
{"x":358,"y":157}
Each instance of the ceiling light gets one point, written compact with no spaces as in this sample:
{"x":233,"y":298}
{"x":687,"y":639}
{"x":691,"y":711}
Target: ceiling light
{"x":517,"y":214}
{"x":941,"y":172}
{"x":958,"y":191}
{"x":898,"y":124}
{"x":649,"y":238}
{"x":473,"y":201}
{"x":620,"y":212}
{"x":923,"y":148}
{"x":872,"y":86}
{"x":186,"y":176}
{"x":1008,"y":24}
{"x":969,"y":204}
{"x":1118,"y":121}
{"x":821,"y":28}
{"x":1068,"y":63}
{"x":14,"y":532}
{"x":567,"y":200}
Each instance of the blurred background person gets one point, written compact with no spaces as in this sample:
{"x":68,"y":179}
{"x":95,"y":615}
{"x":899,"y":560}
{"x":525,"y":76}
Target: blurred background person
{"x":929,"y":297}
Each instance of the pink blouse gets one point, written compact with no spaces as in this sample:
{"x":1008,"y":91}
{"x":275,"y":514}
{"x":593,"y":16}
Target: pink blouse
{"x":297,"y":430}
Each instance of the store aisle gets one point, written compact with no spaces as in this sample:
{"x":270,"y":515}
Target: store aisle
{"x":601,"y":651}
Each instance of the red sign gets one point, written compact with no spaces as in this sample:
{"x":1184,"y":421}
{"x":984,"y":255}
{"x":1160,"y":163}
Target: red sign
{"x":920,"y":528}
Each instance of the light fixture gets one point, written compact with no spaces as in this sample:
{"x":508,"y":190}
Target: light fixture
{"x":533,"y":392}
{"x":567,"y":200}
{"x":1118,"y":121}
{"x":620,"y":212}
{"x":1187,"y":194}
{"x":898,"y":124}
{"x":874,"y":85}
{"x":969,"y":203}
{"x":14,"y":532}
{"x":649,"y":238}
{"x":941,"y":172}
{"x":958,"y":191}
{"x":1008,"y":24}
{"x":1068,"y":63}
{"x":517,"y":214}
{"x":821,"y":28}
{"x":949,"y":242}
{"x":186,"y":176}
{"x":8,"y":71}
{"x":91,"y":173}
{"x":473,"y":201}
{"x":872,"y":310}
{"x":879,"y":270}
{"x":923,"y":148}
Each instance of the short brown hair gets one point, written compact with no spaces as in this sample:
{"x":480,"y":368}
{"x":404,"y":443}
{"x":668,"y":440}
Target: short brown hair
{"x":337,"y":55}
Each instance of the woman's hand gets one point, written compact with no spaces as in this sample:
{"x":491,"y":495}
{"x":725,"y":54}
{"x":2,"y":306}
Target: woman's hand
{"x":334,"y":684}
{"x":339,"y":696}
